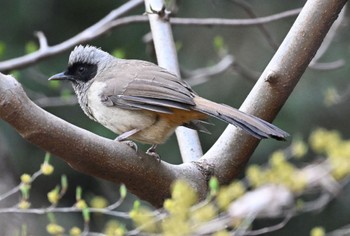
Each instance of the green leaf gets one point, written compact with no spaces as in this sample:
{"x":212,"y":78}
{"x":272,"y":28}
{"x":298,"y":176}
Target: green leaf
{"x":54,"y":84}
{"x":119,"y":53}
{"x":136,"y":205}
{"x":47,"y":157}
{"x":31,"y":47}
{"x":122,"y":191}
{"x":86,"y":215}
{"x":64,"y":183}
{"x":51,"y":217}
{"x":214,"y":186}
{"x":78,"y":193}
{"x":2,"y":48}
{"x":219,"y":43}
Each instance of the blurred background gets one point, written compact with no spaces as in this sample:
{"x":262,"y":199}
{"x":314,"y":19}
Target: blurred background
{"x":319,"y":100}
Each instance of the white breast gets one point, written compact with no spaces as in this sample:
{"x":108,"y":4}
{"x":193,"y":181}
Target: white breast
{"x":116,"y":119}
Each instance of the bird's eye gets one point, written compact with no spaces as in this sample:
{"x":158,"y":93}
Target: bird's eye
{"x":81,"y":69}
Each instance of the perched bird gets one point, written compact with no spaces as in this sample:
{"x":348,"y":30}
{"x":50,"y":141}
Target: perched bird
{"x":144,"y":102}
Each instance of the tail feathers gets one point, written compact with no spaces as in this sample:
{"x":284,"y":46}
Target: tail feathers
{"x":251,"y":124}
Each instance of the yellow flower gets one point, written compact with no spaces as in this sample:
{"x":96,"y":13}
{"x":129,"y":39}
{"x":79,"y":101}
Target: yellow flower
{"x":299,"y":148}
{"x":323,"y":141}
{"x":98,"y":202}
{"x":183,"y":193}
{"x":222,"y":233}
{"x":205,"y":213}
{"x":25,"y":178}
{"x":317,"y":231}
{"x":23,"y":204}
{"x":174,"y":226}
{"x":144,"y":218}
{"x":53,"y":196}
{"x":81,"y":204}
{"x":255,"y":175}
{"x":54,"y":229}
{"x":75,"y":231}
{"x":228,"y":194}
{"x":46,"y":168}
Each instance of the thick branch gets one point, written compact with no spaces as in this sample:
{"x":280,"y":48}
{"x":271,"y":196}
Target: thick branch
{"x":234,"y":148}
{"x":91,"y":154}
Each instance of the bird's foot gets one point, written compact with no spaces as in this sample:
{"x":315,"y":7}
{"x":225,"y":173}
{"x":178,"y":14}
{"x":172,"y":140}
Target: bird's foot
{"x":131,"y":144}
{"x":152,"y":152}
{"x":128,"y":142}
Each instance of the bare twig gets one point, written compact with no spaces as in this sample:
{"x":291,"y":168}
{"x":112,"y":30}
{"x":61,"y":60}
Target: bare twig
{"x":109,"y":22}
{"x":248,"y":9}
{"x":202,"y":75}
{"x":17,"y":188}
{"x":42,"y":40}
{"x":234,"y":22}
{"x":90,"y":33}
{"x":329,"y":37}
{"x":270,"y":228}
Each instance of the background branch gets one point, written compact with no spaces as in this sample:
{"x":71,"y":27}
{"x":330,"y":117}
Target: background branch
{"x":46,"y":51}
{"x":234,"y":148}
{"x":110,"y":22}
{"x":187,"y":139}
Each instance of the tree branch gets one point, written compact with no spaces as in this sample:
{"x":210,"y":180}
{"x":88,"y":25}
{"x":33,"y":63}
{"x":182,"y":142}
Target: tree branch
{"x":88,"y":34}
{"x":187,"y":139}
{"x":91,"y":154}
{"x":145,"y":176}
{"x":233,"y":149}
{"x":110,"y":22}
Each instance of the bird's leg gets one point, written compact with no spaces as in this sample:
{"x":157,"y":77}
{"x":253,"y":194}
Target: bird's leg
{"x":126,"y":135}
{"x":152,"y":152}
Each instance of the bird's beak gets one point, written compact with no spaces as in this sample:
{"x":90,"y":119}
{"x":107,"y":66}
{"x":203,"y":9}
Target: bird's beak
{"x":60,"y":76}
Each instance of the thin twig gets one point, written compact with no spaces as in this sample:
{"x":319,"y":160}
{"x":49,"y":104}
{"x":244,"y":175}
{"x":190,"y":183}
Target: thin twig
{"x":41,"y":211}
{"x":234,"y":22}
{"x":270,"y":228}
{"x":329,"y":38}
{"x":110,"y":22}
{"x":248,"y":9}
{"x":202,"y":75}
{"x":90,"y":33}
{"x":18,"y":187}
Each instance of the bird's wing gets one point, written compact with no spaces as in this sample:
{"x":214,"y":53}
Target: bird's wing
{"x":142,"y":85}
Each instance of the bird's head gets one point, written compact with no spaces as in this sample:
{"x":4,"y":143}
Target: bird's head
{"x":85,"y":62}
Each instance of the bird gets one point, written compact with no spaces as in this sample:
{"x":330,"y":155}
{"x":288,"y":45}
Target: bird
{"x":143,"y":102}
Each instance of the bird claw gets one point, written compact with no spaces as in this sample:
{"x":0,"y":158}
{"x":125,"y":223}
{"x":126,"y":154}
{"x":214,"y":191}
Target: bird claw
{"x":152,"y":152}
{"x":129,"y":143}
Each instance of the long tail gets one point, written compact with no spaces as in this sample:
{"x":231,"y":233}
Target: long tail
{"x":249,"y":123}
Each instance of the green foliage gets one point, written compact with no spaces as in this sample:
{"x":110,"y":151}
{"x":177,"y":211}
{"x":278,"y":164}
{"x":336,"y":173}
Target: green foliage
{"x":2,"y":49}
{"x":31,"y":47}
{"x":119,"y":53}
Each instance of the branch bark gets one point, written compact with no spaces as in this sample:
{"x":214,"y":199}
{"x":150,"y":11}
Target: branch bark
{"x":89,"y":153}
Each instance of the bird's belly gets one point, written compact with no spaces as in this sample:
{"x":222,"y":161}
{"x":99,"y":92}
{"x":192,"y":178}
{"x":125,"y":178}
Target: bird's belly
{"x":153,"y":129}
